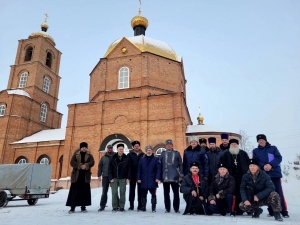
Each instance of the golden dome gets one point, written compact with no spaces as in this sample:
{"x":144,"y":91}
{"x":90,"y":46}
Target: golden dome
{"x":146,"y":44}
{"x":45,"y":25}
{"x":139,"y":21}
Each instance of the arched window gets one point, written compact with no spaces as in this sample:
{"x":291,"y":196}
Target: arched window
{"x":159,"y":151}
{"x":21,"y":160}
{"x":49,"y":59}
{"x":2,"y":110}
{"x":28,"y":54}
{"x":23,"y":80}
{"x":124,"y":78}
{"x":44,"y":159}
{"x":46,"y":85}
{"x":43,"y":113}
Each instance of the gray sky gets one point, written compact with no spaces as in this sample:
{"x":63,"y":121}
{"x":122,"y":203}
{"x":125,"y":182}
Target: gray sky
{"x":241,"y":58}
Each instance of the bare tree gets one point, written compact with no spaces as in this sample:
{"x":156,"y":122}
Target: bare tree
{"x":245,"y":143}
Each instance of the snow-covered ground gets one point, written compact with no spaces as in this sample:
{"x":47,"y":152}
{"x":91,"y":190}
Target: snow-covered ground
{"x":53,"y":210}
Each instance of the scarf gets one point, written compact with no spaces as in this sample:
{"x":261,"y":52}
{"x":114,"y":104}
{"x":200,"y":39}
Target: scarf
{"x":196,"y":179}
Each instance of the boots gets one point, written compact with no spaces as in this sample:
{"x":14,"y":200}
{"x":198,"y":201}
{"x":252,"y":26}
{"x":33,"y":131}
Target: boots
{"x":257,"y":213}
{"x":277,"y":216}
{"x":131,"y":206}
{"x":153,"y":202}
{"x":144,"y":202}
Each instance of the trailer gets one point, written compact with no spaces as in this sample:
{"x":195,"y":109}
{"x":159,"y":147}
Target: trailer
{"x":28,"y":181}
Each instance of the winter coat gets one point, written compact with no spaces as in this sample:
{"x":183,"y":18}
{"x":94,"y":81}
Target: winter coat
{"x":149,"y":169}
{"x":104,"y":164}
{"x":76,"y":163}
{"x":243,"y":158}
{"x":227,"y":186}
{"x":214,"y":157}
{"x":134,"y":162}
{"x":171,"y":166}
{"x":198,"y":155}
{"x":261,"y":188}
{"x":188,"y":185}
{"x":223,"y":148}
{"x":119,"y":169}
{"x":269,"y":155}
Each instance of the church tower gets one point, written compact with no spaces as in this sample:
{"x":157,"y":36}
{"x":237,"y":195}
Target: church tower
{"x":29,"y":104}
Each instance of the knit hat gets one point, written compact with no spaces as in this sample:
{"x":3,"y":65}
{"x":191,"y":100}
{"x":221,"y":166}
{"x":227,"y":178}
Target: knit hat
{"x":212,"y":140}
{"x":221,"y":164}
{"x":254,"y":161}
{"x":202,"y":140}
{"x":193,"y":138}
{"x":233,"y":141}
{"x":83,"y":144}
{"x":148,"y":147}
{"x":194,"y":164}
{"x":261,"y":136}
{"x":120,"y":145}
{"x":224,"y":136}
{"x":135,"y":142}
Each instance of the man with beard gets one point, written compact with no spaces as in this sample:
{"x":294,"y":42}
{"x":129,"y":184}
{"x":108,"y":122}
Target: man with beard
{"x":203,"y":144}
{"x":237,"y":161}
{"x":148,"y":176}
{"x":80,"y":190}
{"x":103,"y":175}
{"x":194,"y":153}
{"x":214,"y":156}
{"x":134,"y":157}
{"x":269,"y":160}
{"x":225,"y":142}
{"x":119,"y":175}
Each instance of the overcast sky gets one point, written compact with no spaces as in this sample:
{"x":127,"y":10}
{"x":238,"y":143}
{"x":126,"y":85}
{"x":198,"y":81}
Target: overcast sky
{"x":241,"y":58}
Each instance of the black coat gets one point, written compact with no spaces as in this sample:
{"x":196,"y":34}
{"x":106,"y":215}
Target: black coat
{"x":227,"y":186}
{"x":261,"y":188}
{"x":134,"y":162}
{"x":214,"y":157}
{"x":243,"y":165}
{"x":119,"y":169}
{"x":223,"y":148}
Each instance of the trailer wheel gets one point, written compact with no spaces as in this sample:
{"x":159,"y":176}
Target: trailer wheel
{"x":3,"y":199}
{"x":32,"y":201}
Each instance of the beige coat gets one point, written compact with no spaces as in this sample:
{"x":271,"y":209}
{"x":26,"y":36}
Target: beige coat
{"x":76,"y":163}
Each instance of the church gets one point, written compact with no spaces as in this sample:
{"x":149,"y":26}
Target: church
{"x":137,"y":92}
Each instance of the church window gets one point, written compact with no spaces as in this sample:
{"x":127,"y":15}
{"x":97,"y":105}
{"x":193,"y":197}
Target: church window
{"x":49,"y":59}
{"x":2,"y":110}
{"x":43,"y":159}
{"x":23,"y":80}
{"x":46,"y":85}
{"x":124,"y":78}
{"x":159,"y":151}
{"x":21,"y":160}
{"x":28,"y":54}
{"x":43,"y":114}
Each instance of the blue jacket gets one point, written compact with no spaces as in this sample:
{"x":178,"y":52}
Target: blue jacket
{"x":198,"y":155}
{"x":269,"y":155}
{"x":149,"y":169}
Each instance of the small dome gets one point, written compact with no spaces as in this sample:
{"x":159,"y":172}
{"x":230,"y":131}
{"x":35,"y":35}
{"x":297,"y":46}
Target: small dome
{"x":139,"y":21}
{"x":43,"y":33}
{"x":45,"y":25}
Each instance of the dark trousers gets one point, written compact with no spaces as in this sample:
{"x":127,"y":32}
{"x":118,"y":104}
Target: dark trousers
{"x":175,"y":189}
{"x":132,"y":187}
{"x":105,"y":186}
{"x":278,"y":189}
{"x":222,"y":204}
{"x":145,"y":192}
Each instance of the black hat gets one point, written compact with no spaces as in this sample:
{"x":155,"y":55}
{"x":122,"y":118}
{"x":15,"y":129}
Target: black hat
{"x":261,"y":136}
{"x":109,"y":146}
{"x":169,"y":141}
{"x":212,"y":140}
{"x":224,"y":136}
{"x":254,"y":161}
{"x":194,"y":164}
{"x":202,"y":140}
{"x":120,"y":145}
{"x":233,"y":141}
{"x":135,"y":142}
{"x":83,"y":144}
{"x":221,"y":164}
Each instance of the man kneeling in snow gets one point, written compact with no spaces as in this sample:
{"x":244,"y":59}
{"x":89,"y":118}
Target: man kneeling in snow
{"x":257,"y":189}
{"x":195,"y":190}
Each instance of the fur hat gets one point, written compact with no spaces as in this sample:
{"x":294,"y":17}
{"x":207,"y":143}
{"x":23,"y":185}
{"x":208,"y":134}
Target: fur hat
{"x":148,"y":147}
{"x":169,"y":141}
{"x":83,"y":144}
{"x":261,"y":136}
{"x":221,"y":164}
{"x":120,"y":145}
{"x":224,"y":136}
{"x":233,"y":141}
{"x":193,"y":138}
{"x":194,"y":164}
{"x":135,"y":142}
{"x":212,"y":140}
{"x":254,"y":161}
{"x":202,"y":140}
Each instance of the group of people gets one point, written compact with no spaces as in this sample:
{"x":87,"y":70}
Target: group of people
{"x":213,"y":180}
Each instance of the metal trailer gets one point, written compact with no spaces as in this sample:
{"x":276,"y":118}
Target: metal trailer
{"x":28,"y":181}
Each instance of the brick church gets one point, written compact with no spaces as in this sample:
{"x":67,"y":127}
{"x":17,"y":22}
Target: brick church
{"x":137,"y":92}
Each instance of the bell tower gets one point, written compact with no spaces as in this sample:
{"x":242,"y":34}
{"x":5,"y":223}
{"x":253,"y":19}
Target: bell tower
{"x":29,"y":104}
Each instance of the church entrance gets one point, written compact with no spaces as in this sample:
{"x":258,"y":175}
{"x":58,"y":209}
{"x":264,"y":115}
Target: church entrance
{"x":114,"y":140}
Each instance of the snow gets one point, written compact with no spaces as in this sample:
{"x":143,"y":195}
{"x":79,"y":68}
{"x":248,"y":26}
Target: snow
{"x":18,"y":92}
{"x":44,"y":135}
{"x":202,"y":128}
